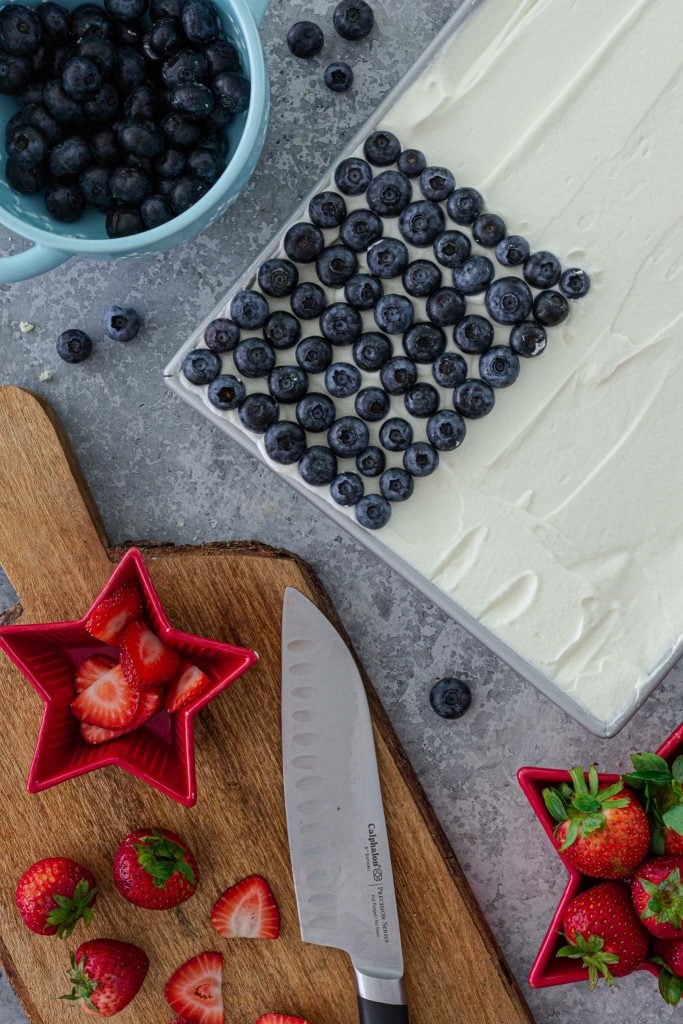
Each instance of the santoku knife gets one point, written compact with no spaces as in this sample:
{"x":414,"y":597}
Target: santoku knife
{"x":335,"y":817}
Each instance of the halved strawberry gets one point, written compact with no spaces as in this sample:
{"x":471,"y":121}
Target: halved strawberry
{"x":145,"y":657}
{"x":195,"y":990}
{"x":280,"y":1018}
{"x":110,"y":701}
{"x":90,"y":670}
{"x":150,"y":703}
{"x":190,"y":683}
{"x":247,"y":911}
{"x":111,"y":616}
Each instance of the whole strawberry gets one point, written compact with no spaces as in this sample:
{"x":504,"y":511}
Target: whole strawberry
{"x":657,"y":894}
{"x":604,"y":933}
{"x":669,"y":957}
{"x":602,"y":831}
{"x":54,"y":894}
{"x":106,"y":975}
{"x":155,"y":869}
{"x":661,"y":787}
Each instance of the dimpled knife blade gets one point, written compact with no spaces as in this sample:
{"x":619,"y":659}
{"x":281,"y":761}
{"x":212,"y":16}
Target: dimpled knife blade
{"x":335,"y":816}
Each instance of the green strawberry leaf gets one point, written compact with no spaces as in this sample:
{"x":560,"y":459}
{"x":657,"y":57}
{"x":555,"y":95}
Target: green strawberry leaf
{"x":677,"y":768}
{"x":161,"y":857}
{"x":592,"y":824}
{"x":673,"y":819}
{"x":649,"y":762}
{"x":587,"y":804}
{"x":572,"y":834}
{"x":554,"y":804}
{"x":670,"y":987}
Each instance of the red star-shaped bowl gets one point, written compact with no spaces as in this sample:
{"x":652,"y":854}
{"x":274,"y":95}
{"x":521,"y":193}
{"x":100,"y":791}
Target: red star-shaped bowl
{"x":548,"y":969}
{"x":161,"y":753}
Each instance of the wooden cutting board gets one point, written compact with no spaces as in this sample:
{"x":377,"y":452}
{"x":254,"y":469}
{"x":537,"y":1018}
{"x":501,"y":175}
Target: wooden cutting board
{"x":53,"y":547}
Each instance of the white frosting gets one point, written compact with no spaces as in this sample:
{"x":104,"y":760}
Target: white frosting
{"x":558,"y":522}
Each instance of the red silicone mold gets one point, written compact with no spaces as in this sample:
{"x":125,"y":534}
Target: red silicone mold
{"x":160,"y":753}
{"x":548,"y":969}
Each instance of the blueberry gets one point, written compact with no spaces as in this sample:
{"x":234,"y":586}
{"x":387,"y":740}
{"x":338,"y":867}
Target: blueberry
{"x":304,"y":243}
{"x":221,"y":56}
{"x":449,"y":369}
{"x":338,"y":76}
{"x":488,"y":230}
{"x":154,"y":211}
{"x":348,"y":436}
{"x":254,"y":357}
{"x":474,"y":275}
{"x":126,"y":10}
{"x":15,"y":122}
{"x":363,"y":291}
{"x":382,"y":148}
{"x":372,"y":404}
{"x":258,"y":412}
{"x":389,"y":193}
{"x":15,"y":73}
{"x":121,"y":324}
{"x":141,"y":138}
{"x":103,"y":107}
{"x":285,"y":442}
{"x":550,"y":308}
{"x":278,"y":278}
{"x":180,"y":130}
{"x":371,"y":351}
{"x":61,"y":55}
{"x":464,"y":205}
{"x":388,"y":258}
{"x":336,"y":265}
{"x":62,"y":107}
{"x":200,"y":366}
{"x":100,"y":52}
{"x":353,"y":19}
{"x":542,"y":269}
{"x":445,"y":307}
{"x":509,"y":300}
{"x":396,"y":484}
{"x":193,"y":101}
{"x":314,"y":354}
{"x":55,"y":20}
{"x":305,"y":39}
{"x":436,"y":183}
{"x":94,"y":184}
{"x":452,"y":248}
{"x":360,"y":229}
{"x":64,"y":201}
{"x":371,"y":462}
{"x":412,"y":162}
{"x":200,"y":21}
{"x":130,"y":185}
{"x":131,"y":69}
{"x":20,"y":30}
{"x":232,"y":90}
{"x":341,"y":324}
{"x":26,"y":180}
{"x":171,"y":163}
{"x":165,"y":9}
{"x":164,"y":39}
{"x":189,"y":67}
{"x":396,"y":435}
{"x":141,"y":104}
{"x":473,"y":398}
{"x":352,"y":176}
{"x":205,"y":165}
{"x":574,"y":283}
{"x":221,"y":335}
{"x":373,"y":512}
{"x":81,"y":78}
{"x":346,"y":489}
{"x":27,"y":147}
{"x":318,"y":465}
{"x":308,"y":300}
{"x":450,"y":698}
{"x":422,"y":400}
{"x":287,"y":383}
{"x":327,"y":209}
{"x":342,"y":380}
{"x":528,"y":339}
{"x":398,"y":375}
{"x":249,"y":309}
{"x":316,"y":413}
{"x":474,"y":334}
{"x":186,"y":192}
{"x":394,"y":314}
{"x":421,"y":222}
{"x":421,"y":278}
{"x":74,"y":346}
{"x":226,"y":392}
{"x":446,"y":430}
{"x":36,"y":115}
{"x":423,"y":343}
{"x":130,"y":33}
{"x":420,"y":459}
{"x":123,"y":221}
{"x":512,"y":251}
{"x":282,"y":329}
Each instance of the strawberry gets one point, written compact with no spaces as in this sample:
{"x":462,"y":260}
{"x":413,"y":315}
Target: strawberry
{"x":604,"y":933}
{"x":661,"y":787}
{"x":111,"y":701}
{"x":106,"y":975}
{"x":191,"y":682}
{"x":54,"y":894}
{"x":603,"y":832}
{"x":657,"y":895}
{"x":155,"y":869}
{"x":145,"y":658}
{"x":280,"y":1018}
{"x":195,"y":990}
{"x":669,"y":957}
{"x":150,"y":702}
{"x":247,"y":911}
{"x":95,"y":735}
{"x":110,"y":617}
{"x":92,"y":669}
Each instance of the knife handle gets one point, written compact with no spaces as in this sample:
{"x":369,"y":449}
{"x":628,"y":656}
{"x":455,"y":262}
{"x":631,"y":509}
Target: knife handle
{"x":370,"y":1012}
{"x":381,"y":1000}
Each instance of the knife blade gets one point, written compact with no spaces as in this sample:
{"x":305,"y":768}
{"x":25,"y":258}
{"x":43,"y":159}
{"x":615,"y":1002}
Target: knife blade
{"x":335,"y":816}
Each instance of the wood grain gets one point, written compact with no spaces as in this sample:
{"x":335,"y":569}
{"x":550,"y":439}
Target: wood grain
{"x":51,"y":545}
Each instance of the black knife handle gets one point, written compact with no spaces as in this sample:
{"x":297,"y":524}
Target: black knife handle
{"x":381,"y":1013}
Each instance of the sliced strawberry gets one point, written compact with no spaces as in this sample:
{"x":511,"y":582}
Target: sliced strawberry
{"x":95,"y":734}
{"x":150,"y":703}
{"x":110,"y":701}
{"x":195,"y":990}
{"x":280,"y":1018}
{"x":190,"y":684}
{"x":145,"y":657}
{"x":90,"y":670}
{"x":111,"y":616}
{"x":247,"y":911}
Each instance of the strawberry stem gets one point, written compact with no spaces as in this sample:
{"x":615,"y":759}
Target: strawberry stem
{"x":69,"y":911}
{"x":582,"y":804}
{"x":82,"y":986}
{"x":593,"y":956}
{"x":666,"y":900}
{"x":161,"y":857}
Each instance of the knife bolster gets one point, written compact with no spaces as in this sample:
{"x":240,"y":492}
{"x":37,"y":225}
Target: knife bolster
{"x":381,"y":1000}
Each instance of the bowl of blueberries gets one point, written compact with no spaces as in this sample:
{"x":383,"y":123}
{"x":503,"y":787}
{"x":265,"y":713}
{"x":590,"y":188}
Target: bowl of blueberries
{"x":128,"y":126}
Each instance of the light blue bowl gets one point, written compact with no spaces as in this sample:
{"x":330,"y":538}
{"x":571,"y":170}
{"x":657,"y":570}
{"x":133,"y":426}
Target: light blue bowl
{"x":54,"y":243}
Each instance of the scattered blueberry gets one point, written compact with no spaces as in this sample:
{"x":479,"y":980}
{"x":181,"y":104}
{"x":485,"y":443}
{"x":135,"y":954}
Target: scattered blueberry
{"x":353,"y":19}
{"x":308,"y":300}
{"x":254,"y":357}
{"x":396,"y":435}
{"x":371,"y":351}
{"x":474,"y":275}
{"x":464,"y":205}
{"x":185,"y":68}
{"x":423,"y":342}
{"x":249,"y":309}
{"x":304,"y":243}
{"x":348,"y":437}
{"x":474,"y":334}
{"x":278,"y":278}
{"x":421,"y":222}
{"x":412,"y":162}
{"x":371,"y":462}
{"x":398,"y":375}
{"x":421,"y":278}
{"x":284,"y":442}
{"x":193,"y":101}
{"x":550,"y":308}
{"x":389,"y":193}
{"x":352,"y":176}
{"x":338,"y":76}
{"x":201,"y":366}
{"x":341,"y":323}
{"x":373,"y":512}
{"x":123,"y":221}
{"x":396,"y":484}
{"x":121,"y":324}
{"x":446,"y":307}
{"x":422,"y":400}
{"x":473,"y":398}
{"x":346,"y":489}
{"x":436,"y":183}
{"x":287,"y":383}
{"x":512,"y":251}
{"x":327,"y":209}
{"x":74,"y":346}
{"x":420,"y":459}
{"x":305,"y":39}
{"x":509,"y":300}
{"x":363,"y":291}
{"x":382,"y":148}
{"x":542,"y":269}
{"x":226,"y":392}
{"x":528,"y":339}
{"x":488,"y":230}
{"x":316,"y":413}
{"x":499,"y":367}
{"x":258,"y":412}
{"x":222,"y":335}
{"x":372,"y":404}
{"x":336,"y":265}
{"x":164,"y":39}
{"x":450,"y":698}
{"x":318,"y":465}
{"x":342,"y":380}
{"x":574,"y":283}
{"x":388,"y":258}
{"x":452,"y":248}
{"x":446,"y":430}
{"x":394,"y":314}
{"x":360,"y":229}
{"x":449,"y":369}
{"x":64,"y":200}
{"x":281,"y":329}
{"x":314,"y":354}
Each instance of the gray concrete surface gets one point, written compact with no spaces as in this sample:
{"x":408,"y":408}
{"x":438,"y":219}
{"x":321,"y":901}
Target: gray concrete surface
{"x":160,"y":472}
